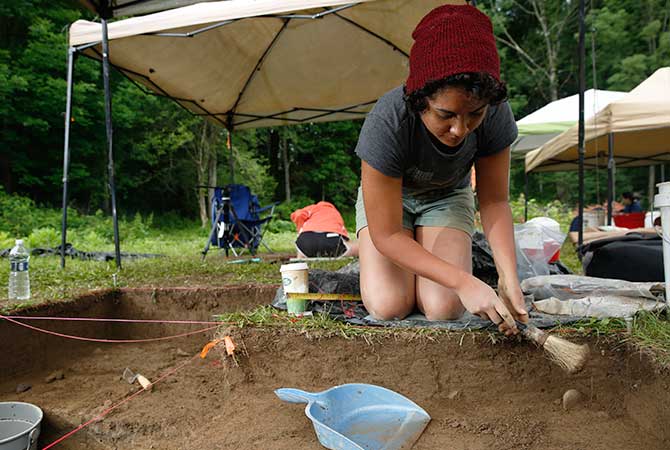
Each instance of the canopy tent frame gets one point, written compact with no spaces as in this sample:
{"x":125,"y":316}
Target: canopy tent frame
{"x":71,"y":58}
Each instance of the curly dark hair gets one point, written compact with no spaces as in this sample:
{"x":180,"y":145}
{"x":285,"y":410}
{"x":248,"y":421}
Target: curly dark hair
{"x":480,"y":84}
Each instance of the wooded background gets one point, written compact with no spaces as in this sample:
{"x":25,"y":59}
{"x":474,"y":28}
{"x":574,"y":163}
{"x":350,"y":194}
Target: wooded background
{"x":162,"y":152}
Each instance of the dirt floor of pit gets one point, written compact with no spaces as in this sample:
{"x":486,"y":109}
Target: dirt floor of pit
{"x":480,"y":395}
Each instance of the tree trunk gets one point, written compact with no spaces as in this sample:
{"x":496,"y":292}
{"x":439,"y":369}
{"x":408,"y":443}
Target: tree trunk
{"x":286,"y":165}
{"x":204,"y":155}
{"x":212,"y":175}
{"x":200,"y":169}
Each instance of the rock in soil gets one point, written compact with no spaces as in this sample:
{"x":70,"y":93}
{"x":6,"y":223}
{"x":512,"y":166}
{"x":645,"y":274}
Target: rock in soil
{"x":571,"y":398}
{"x":55,"y":375}
{"x":453,"y":395}
{"x":22,"y":387}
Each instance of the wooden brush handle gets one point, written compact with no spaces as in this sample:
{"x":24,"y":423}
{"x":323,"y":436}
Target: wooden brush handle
{"x":533,"y":333}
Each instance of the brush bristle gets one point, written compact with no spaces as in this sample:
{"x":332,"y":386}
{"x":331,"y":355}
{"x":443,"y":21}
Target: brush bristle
{"x":569,"y":356}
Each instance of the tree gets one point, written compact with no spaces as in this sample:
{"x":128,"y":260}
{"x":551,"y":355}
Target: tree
{"x":203,"y":150}
{"x":538,"y":46}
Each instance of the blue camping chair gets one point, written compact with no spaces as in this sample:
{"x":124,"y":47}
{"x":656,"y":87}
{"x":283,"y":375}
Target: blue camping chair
{"x":237,"y":225}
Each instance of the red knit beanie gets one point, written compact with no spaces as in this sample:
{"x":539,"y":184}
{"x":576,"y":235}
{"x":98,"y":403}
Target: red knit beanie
{"x":452,"y":39}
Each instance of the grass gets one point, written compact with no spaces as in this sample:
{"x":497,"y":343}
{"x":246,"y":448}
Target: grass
{"x":318,"y":325}
{"x":180,"y":265}
{"x":570,"y":259}
{"x":651,"y":333}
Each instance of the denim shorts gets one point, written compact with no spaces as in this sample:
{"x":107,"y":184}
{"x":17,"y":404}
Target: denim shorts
{"x":454,"y":210}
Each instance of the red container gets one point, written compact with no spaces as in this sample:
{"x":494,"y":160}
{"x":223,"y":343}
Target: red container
{"x":629,"y":220}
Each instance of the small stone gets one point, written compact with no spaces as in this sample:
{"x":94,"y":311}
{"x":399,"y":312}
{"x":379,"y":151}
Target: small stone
{"x":55,"y":375}
{"x":453,"y":395}
{"x":454,"y":423}
{"x":22,"y":387}
{"x":571,"y":398}
{"x":182,"y":353}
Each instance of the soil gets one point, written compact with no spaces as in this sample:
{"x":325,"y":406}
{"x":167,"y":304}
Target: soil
{"x":480,"y":394}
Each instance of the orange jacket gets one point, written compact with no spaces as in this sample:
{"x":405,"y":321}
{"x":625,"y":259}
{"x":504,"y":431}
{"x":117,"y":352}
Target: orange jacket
{"x":322,"y":217}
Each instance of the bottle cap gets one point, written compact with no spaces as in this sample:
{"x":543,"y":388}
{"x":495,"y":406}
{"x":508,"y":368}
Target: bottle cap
{"x":19,"y":242}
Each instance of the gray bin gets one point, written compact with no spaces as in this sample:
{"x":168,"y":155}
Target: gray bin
{"x":19,"y":426}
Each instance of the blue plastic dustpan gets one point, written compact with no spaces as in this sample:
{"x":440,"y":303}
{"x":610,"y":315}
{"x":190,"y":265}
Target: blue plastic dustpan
{"x":361,"y":417}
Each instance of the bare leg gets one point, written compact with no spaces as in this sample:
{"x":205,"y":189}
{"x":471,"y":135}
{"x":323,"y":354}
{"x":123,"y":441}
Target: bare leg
{"x":387,"y":290}
{"x":454,"y":246}
{"x":352,"y":248}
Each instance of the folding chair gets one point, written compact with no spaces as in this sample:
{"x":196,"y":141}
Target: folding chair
{"x":237,"y":224}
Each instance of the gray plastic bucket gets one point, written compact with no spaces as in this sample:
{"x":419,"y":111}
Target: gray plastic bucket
{"x":19,"y":426}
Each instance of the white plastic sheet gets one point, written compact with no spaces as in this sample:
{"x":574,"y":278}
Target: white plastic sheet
{"x":565,"y":287}
{"x":598,"y":307}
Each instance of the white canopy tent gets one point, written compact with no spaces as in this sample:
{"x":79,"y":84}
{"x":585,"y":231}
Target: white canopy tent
{"x":631,"y":131}
{"x":637,"y":125}
{"x":248,"y":64}
{"x":245,"y":64}
{"x":542,"y":125}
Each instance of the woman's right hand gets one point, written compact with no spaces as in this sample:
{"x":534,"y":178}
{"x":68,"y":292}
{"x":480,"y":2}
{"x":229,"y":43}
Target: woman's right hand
{"x":481,"y":300}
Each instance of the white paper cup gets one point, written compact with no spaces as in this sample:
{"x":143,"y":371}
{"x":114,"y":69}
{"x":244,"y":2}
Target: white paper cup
{"x":295,"y":278}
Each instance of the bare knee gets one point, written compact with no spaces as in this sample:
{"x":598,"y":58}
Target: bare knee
{"x":446,"y":307}
{"x":389,"y":307}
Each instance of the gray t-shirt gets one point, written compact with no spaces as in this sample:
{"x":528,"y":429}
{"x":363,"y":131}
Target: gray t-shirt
{"x":395,"y":141}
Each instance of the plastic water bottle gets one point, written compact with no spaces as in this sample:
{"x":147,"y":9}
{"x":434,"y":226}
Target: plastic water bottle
{"x":19,"y":280}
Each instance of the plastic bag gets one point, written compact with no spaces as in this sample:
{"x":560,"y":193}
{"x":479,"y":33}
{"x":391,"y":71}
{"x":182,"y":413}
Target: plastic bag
{"x":537,"y":241}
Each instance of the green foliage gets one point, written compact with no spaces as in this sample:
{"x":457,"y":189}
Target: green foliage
{"x":250,"y":169}
{"x":554,"y":209}
{"x":16,"y":214}
{"x":44,"y":237}
{"x":280,"y":226}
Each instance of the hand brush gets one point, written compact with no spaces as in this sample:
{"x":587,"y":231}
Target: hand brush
{"x":571,"y":357}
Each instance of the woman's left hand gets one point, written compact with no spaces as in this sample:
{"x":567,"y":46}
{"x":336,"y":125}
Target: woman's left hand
{"x":510,"y":293}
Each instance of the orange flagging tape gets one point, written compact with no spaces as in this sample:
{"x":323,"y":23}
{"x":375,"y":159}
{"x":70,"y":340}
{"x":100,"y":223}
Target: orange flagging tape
{"x":227,"y":340}
{"x":210,"y":345}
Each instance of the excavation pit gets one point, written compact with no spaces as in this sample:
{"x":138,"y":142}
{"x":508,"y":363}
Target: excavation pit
{"x":480,"y":394}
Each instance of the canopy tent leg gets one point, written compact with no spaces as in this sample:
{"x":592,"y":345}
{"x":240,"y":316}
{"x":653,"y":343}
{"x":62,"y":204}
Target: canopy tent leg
{"x":610,"y":176}
{"x":582,"y":87}
{"x":71,"y":56}
{"x":651,"y":188}
{"x":108,"y":126}
{"x":663,"y":173}
{"x":525,"y":197}
{"x":229,"y":144}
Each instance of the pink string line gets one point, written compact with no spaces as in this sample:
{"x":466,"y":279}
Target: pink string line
{"x":125,"y":400}
{"x":95,"y":319}
{"x":113,"y":341}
